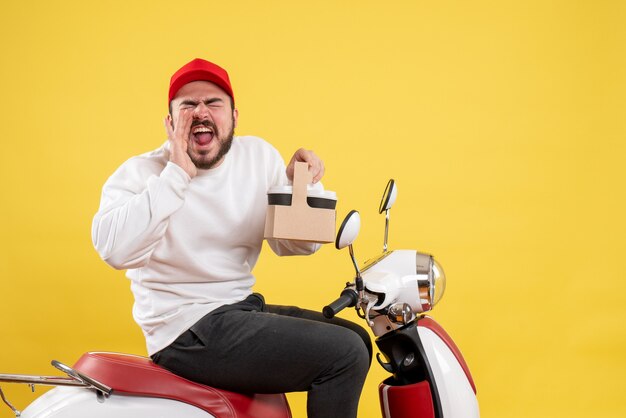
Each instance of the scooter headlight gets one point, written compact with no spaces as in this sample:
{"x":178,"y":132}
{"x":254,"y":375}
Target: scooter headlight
{"x":431,"y":283}
{"x":439,"y":282}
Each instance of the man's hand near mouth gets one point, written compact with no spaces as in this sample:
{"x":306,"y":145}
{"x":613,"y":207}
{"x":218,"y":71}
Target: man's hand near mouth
{"x":178,"y":136}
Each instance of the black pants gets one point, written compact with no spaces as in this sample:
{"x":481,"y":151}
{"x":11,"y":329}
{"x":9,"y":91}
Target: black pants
{"x":252,"y":347}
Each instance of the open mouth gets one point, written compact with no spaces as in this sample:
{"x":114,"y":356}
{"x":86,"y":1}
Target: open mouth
{"x":202,"y":135}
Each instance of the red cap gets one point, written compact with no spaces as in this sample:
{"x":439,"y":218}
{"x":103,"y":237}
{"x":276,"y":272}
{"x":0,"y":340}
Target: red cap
{"x":200,"y":70}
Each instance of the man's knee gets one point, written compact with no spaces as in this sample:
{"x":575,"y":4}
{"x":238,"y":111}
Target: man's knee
{"x":354,"y":353}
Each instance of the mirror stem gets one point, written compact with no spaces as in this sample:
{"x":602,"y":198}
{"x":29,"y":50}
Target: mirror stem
{"x":386,"y":230}
{"x":359,"y":279}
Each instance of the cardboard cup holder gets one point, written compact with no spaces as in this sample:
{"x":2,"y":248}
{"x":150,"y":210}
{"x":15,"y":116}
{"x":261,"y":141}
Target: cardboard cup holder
{"x":299,"y":212}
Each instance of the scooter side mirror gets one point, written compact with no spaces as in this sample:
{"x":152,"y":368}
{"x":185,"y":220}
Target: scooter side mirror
{"x":389,"y":196}
{"x":349,"y":230}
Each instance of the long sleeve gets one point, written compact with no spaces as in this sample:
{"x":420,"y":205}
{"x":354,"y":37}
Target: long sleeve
{"x":134,"y":212}
{"x":189,"y":245}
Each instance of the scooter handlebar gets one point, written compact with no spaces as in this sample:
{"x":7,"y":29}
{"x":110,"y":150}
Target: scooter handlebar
{"x":347,"y":299}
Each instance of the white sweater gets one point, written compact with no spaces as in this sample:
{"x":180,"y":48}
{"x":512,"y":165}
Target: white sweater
{"x":189,"y":244}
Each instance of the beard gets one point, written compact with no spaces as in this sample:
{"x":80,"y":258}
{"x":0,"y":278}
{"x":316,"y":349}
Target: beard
{"x":201,"y":159}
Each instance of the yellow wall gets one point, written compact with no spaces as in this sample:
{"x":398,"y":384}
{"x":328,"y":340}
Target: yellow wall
{"x":502,"y":122}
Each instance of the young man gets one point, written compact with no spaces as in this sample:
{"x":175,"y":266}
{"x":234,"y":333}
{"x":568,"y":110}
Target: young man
{"x":187,"y":221}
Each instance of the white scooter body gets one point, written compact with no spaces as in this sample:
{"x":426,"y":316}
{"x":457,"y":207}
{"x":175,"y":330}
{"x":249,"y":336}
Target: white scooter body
{"x":75,"y":402}
{"x":394,"y":276}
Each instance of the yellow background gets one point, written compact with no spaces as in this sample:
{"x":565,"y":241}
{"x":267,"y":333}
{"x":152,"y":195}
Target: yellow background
{"x":502,"y":122}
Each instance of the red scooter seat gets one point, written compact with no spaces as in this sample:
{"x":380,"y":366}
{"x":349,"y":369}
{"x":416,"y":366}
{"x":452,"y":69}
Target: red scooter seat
{"x":138,"y":376}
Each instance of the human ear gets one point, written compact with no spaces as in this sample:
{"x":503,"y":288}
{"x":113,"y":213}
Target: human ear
{"x":235,"y":117}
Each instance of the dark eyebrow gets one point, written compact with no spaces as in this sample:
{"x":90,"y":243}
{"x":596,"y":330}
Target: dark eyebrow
{"x":212,"y":100}
{"x":188,"y":102}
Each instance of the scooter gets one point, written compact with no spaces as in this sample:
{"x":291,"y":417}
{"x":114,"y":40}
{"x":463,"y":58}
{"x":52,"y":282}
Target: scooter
{"x":392,"y":292}
{"x":429,"y":377}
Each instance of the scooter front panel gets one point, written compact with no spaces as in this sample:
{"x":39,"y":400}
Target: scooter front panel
{"x":431,"y":324}
{"x":456,"y":394}
{"x":72,"y":402}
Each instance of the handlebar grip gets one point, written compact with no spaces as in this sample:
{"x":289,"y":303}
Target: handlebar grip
{"x":347,"y":299}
